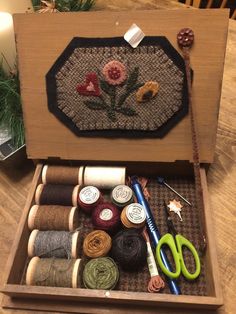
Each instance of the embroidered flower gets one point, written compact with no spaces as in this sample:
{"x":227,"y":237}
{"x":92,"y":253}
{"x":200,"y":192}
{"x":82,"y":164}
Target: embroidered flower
{"x":114,"y":72}
{"x":147,"y":91}
{"x":90,"y":87}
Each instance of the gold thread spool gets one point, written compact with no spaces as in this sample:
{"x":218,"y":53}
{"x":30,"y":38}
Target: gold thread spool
{"x":41,"y":187}
{"x":74,"y":243}
{"x":97,"y":244}
{"x":71,"y":214}
{"x":62,"y":175}
{"x":125,"y":220}
{"x":37,"y":262}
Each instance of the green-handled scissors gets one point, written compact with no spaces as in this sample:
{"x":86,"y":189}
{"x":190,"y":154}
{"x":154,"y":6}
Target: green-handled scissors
{"x":175,"y":242}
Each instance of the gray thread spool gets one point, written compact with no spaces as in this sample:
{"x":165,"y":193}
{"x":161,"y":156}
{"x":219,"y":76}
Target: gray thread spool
{"x":59,"y":244}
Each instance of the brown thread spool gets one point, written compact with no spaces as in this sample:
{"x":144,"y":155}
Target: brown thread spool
{"x":133,"y":216}
{"x":62,"y":175}
{"x":58,"y":248}
{"x":89,"y":197}
{"x":52,"y":194}
{"x":97,"y":244}
{"x":53,"y":272}
{"x":104,"y":177}
{"x":49,"y":217}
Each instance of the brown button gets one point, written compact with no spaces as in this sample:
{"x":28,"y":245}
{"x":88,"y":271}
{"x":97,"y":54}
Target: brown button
{"x":185,"y":37}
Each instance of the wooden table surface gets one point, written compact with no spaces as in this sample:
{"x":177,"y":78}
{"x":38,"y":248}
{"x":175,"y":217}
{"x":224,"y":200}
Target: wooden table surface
{"x":15,"y":180}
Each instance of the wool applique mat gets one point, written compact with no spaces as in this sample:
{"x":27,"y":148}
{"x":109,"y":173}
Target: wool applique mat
{"x":105,"y":87}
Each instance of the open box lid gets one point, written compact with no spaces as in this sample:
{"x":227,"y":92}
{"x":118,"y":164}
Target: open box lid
{"x":41,"y":38}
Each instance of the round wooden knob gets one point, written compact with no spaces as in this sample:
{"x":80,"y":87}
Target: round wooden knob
{"x":185,"y":37}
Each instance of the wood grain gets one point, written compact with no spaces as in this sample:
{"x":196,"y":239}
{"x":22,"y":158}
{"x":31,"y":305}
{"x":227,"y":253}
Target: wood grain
{"x":48,"y":137}
{"x":15,"y":182}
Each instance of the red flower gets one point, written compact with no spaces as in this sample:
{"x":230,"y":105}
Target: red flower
{"x":91,"y":87}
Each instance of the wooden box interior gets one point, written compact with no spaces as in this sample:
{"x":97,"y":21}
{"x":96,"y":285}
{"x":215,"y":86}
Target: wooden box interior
{"x":209,"y":297}
{"x":47,"y":138}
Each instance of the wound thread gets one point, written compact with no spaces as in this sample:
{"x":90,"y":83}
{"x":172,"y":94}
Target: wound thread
{"x":97,"y":244}
{"x":53,"y":272}
{"x":61,"y":175}
{"x":55,"y":194}
{"x":122,"y":195}
{"x":101,"y":273}
{"x":49,"y":217}
{"x":133,"y":212}
{"x":89,"y":197}
{"x":129,"y":250}
{"x":104,"y":177}
{"x":106,"y":217}
{"x":59,"y":244}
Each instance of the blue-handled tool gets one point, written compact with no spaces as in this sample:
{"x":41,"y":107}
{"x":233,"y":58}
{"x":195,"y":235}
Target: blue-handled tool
{"x":153,"y":231}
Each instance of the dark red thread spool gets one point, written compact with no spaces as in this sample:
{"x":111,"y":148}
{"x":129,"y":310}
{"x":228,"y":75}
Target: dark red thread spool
{"x":106,"y":217}
{"x":89,"y":197}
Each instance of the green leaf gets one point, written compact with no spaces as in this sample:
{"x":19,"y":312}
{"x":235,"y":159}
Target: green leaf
{"x":108,"y":89}
{"x":112,"y":115}
{"x":133,"y":78}
{"x":94,"y":105}
{"x":127,"y":111}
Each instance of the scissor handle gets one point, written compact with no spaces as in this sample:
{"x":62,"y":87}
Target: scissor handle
{"x":182,"y":241}
{"x":168,"y":240}
{"x":178,"y":256}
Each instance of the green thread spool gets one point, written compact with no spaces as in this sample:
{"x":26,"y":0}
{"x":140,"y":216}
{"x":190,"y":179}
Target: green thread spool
{"x":122,"y":195}
{"x":53,"y":272}
{"x":101,"y":273}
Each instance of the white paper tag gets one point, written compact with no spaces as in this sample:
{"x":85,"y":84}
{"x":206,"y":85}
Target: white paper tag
{"x":134,"y":36}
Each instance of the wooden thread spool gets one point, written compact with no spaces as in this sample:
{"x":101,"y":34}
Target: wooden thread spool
{"x":133,"y":216}
{"x":104,"y":177}
{"x":49,"y":217}
{"x":122,"y":195}
{"x":89,"y":197}
{"x":60,"y":244}
{"x":62,"y":175}
{"x":52,"y":194}
{"x":53,"y":272}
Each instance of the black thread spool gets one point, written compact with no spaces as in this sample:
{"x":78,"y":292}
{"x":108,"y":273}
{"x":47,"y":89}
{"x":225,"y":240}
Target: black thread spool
{"x":129,"y":250}
{"x":55,"y":194}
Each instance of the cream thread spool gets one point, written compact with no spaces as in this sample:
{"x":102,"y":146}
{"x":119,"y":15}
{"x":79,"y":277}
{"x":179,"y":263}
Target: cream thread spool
{"x":72,"y":222}
{"x":35,"y":262}
{"x":122,"y":195}
{"x":35,"y":232}
{"x":104,"y":177}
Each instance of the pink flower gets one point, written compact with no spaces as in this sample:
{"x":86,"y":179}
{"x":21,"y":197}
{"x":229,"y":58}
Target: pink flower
{"x":114,"y":72}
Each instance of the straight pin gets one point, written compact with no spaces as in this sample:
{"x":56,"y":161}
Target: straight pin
{"x":161,"y":181}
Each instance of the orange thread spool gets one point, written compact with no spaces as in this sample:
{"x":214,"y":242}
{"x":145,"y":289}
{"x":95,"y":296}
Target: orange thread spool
{"x":133,"y":216}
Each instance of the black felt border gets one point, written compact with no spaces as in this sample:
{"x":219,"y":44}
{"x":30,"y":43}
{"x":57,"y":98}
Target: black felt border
{"x":115,"y":42}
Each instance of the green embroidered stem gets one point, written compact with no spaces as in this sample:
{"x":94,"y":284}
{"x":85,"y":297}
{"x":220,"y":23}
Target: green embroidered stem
{"x":131,"y":86}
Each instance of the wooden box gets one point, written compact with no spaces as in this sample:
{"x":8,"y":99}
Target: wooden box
{"x":40,"y":40}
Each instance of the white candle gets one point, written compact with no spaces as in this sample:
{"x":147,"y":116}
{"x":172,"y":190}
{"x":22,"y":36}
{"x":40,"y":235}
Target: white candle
{"x":7,"y":37}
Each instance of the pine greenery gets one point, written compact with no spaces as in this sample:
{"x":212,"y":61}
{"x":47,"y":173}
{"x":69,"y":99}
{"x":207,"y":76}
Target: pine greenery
{"x":67,"y":5}
{"x":10,"y":106}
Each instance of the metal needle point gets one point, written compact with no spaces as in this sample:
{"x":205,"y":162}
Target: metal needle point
{"x":161,"y":181}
